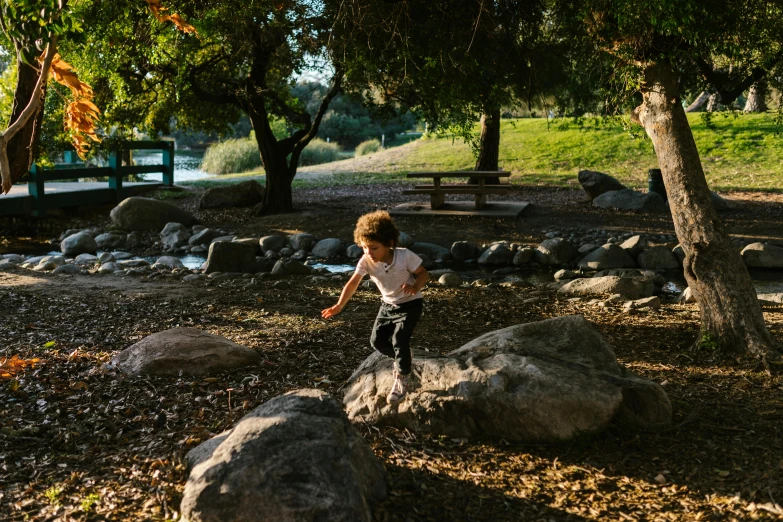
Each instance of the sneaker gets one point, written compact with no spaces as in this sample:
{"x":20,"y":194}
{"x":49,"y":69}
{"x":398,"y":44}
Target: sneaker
{"x":399,"y":388}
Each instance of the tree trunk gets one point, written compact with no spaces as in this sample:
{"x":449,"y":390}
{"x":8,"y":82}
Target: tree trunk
{"x":757,"y":98}
{"x":278,"y":196}
{"x":730,"y":311}
{"x":489,"y":148}
{"x":713,"y":104}
{"x":21,"y":146}
{"x":699,"y":102}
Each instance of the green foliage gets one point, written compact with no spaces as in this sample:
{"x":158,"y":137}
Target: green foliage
{"x":368,"y":147}
{"x":89,"y":502}
{"x":707,"y":342}
{"x":230,"y":156}
{"x":53,"y":495}
{"x":318,"y":151}
{"x":164,"y":195}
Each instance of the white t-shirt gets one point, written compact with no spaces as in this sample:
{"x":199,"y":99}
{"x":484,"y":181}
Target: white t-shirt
{"x":390,"y":278}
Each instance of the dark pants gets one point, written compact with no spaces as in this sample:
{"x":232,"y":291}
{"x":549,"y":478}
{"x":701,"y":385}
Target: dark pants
{"x":391,"y":334}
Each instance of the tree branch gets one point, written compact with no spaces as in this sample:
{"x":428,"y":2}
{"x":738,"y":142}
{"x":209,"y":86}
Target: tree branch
{"x":719,"y":80}
{"x":21,"y":121}
{"x":221,"y":98}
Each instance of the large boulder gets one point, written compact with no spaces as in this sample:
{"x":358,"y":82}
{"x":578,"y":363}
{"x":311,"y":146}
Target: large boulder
{"x":634,"y":245}
{"x":79,"y":243}
{"x":275,"y":243}
{"x":606,"y":257}
{"x":658,"y":258}
{"x":302,"y":241}
{"x":295,"y":458}
{"x":188,"y":351}
{"x":243,"y":194}
{"x":496,"y":255}
{"x":331,"y":247}
{"x":174,"y":235}
{"x":545,"y":381}
{"x":435,"y":252}
{"x":148,"y":214}
{"x":628,"y":199}
{"x":760,"y":255}
{"x":555,"y":252}
{"x":110,"y":241}
{"x":628,"y":287}
{"x":597,"y":183}
{"x":225,"y":256}
{"x":464,"y":250}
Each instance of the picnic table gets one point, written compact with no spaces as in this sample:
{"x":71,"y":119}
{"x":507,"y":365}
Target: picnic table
{"x":437,"y":190}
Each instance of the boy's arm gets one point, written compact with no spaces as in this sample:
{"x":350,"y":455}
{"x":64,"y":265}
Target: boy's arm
{"x":420,"y":278}
{"x":345,"y":296}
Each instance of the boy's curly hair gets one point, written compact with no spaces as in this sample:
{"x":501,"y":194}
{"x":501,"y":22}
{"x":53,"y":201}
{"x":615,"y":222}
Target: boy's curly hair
{"x":376,"y":226}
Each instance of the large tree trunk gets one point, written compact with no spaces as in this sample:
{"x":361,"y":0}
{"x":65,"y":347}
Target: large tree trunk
{"x":278,"y":196}
{"x":757,"y":98}
{"x":699,"y":102}
{"x":730,"y":311}
{"x":489,"y":145}
{"x":22,"y":145}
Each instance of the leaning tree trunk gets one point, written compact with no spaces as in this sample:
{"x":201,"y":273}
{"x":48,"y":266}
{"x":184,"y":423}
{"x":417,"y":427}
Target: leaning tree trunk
{"x":730,"y":311}
{"x":278,"y":195}
{"x":21,"y":146}
{"x":757,"y":98}
{"x":699,"y":102}
{"x":489,"y":145}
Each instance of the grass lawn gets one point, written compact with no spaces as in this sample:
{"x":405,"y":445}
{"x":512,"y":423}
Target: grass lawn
{"x":742,"y":152}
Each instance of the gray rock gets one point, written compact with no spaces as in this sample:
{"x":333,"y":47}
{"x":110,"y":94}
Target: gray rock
{"x":133,"y":263}
{"x":606,"y":257}
{"x":563,"y":274}
{"x":523,"y":256}
{"x":291,"y":267}
{"x":8,"y":264}
{"x":187,"y":351}
{"x":14,"y":258}
{"x":108,"y":268}
{"x":658,"y":258}
{"x":286,"y":252}
{"x":148,"y":214}
{"x":225,"y":256}
{"x":648,"y":302}
{"x":190,"y":278}
{"x":464,"y":250}
{"x":550,"y":380}
{"x":330,"y":247}
{"x":679,"y":253}
{"x":168,"y":262}
{"x":434,"y":252}
{"x":223,"y":239}
{"x":634,"y":245}
{"x":587,"y":248}
{"x":405,"y":241}
{"x":630,"y":287}
{"x":295,"y":458}
{"x":687,"y":296}
{"x":354,"y":252}
{"x":174,"y":235}
{"x":450,"y":279}
{"x":109,"y":241}
{"x":302,"y":241}
{"x":628,"y":199}
{"x":619,"y":272}
{"x":243,"y":194}
{"x":597,"y":183}
{"x":79,"y":243}
{"x":204,"y":237}
{"x":299,"y":255}
{"x":496,"y":255}
{"x":274,"y":243}
{"x":121,"y":256}
{"x":555,"y":252}
{"x":106,"y":257}
{"x":67,"y":269}
{"x":86,"y":259}
{"x":760,"y":255}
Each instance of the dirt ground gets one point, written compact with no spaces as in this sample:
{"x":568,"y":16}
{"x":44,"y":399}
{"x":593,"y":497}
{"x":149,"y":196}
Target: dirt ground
{"x":81,"y":442}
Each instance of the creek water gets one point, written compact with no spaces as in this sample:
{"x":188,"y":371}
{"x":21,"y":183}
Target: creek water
{"x":186,"y":164}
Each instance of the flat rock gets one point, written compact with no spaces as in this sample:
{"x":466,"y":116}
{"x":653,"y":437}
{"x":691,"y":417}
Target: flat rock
{"x":275,"y":243}
{"x":550,"y":380}
{"x":628,"y":199}
{"x":138,"y":213}
{"x":295,"y":458}
{"x":187,"y":351}
{"x":630,"y":287}
{"x":225,"y":256}
{"x":760,"y":255}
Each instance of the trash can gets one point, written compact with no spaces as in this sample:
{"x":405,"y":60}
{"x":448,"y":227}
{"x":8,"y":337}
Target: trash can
{"x":655,"y":183}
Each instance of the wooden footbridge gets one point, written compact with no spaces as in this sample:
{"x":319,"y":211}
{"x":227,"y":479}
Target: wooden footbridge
{"x":40,"y":195}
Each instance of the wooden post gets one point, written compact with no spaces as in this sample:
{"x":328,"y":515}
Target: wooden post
{"x":35,"y":187}
{"x":115,"y":179}
{"x":481,"y":199}
{"x":437,"y":199}
{"x":168,"y":164}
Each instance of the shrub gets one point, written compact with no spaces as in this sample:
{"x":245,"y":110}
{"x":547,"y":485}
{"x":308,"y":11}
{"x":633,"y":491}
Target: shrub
{"x":318,"y":151}
{"x":226,"y":157}
{"x":368,"y":147}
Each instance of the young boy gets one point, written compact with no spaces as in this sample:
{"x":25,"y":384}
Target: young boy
{"x":400,"y":277}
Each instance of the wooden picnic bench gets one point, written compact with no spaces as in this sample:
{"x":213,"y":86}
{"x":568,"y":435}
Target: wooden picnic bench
{"x":437,"y":190}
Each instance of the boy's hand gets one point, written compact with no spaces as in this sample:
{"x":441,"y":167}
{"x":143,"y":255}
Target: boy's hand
{"x":326,"y":313}
{"x":409,"y":289}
